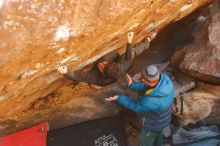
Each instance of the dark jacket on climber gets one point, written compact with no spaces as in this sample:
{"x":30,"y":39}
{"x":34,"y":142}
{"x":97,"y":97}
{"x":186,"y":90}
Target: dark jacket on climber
{"x":112,"y":66}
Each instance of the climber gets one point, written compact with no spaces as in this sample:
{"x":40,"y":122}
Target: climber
{"x":155,"y":105}
{"x":112,"y":66}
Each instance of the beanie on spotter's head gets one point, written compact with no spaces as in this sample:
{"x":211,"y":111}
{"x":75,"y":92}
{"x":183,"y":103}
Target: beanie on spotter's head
{"x":151,"y":73}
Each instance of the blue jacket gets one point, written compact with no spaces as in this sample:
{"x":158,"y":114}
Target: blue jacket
{"x":157,"y":105}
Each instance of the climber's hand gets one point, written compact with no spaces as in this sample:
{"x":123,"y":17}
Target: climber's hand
{"x":151,"y":36}
{"x":112,"y":98}
{"x":62,"y":69}
{"x":130,"y":37}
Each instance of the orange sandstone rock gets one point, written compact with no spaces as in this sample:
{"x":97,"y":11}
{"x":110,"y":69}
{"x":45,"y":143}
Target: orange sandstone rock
{"x":37,"y":36}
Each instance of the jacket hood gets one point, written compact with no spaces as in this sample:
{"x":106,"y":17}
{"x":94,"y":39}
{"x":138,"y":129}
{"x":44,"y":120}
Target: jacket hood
{"x":164,"y":87}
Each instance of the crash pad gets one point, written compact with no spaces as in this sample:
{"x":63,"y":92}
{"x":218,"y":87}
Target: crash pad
{"x":102,"y":132}
{"x":34,"y":136}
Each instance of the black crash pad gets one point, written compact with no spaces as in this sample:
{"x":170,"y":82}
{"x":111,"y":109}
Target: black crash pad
{"x":102,"y":132}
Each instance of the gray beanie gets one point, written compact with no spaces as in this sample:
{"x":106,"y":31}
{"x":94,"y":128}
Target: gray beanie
{"x":151,"y":73}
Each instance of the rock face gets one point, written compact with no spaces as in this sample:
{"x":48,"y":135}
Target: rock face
{"x":201,"y":104}
{"x":37,"y":36}
{"x":201,"y":59}
{"x":70,"y":104}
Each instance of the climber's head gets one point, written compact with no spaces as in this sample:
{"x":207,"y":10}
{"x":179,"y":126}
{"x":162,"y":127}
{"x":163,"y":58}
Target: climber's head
{"x":108,"y":68}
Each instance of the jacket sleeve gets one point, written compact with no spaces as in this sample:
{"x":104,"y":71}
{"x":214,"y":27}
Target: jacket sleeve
{"x":136,"y":105}
{"x":138,"y":86}
{"x":74,"y":77}
{"x":133,"y":51}
{"x":92,"y":77}
{"x":110,"y":57}
{"x":128,"y":52}
{"x":140,"y":47}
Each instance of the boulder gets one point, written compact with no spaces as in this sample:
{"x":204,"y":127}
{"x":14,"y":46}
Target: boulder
{"x":38,"y":36}
{"x":68,"y":105}
{"x":200,"y":105}
{"x":201,"y":59}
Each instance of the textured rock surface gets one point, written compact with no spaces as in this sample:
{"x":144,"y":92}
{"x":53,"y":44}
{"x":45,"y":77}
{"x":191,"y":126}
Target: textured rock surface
{"x":201,"y":105}
{"x":201,"y":59}
{"x":37,"y":36}
{"x":67,"y":106}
